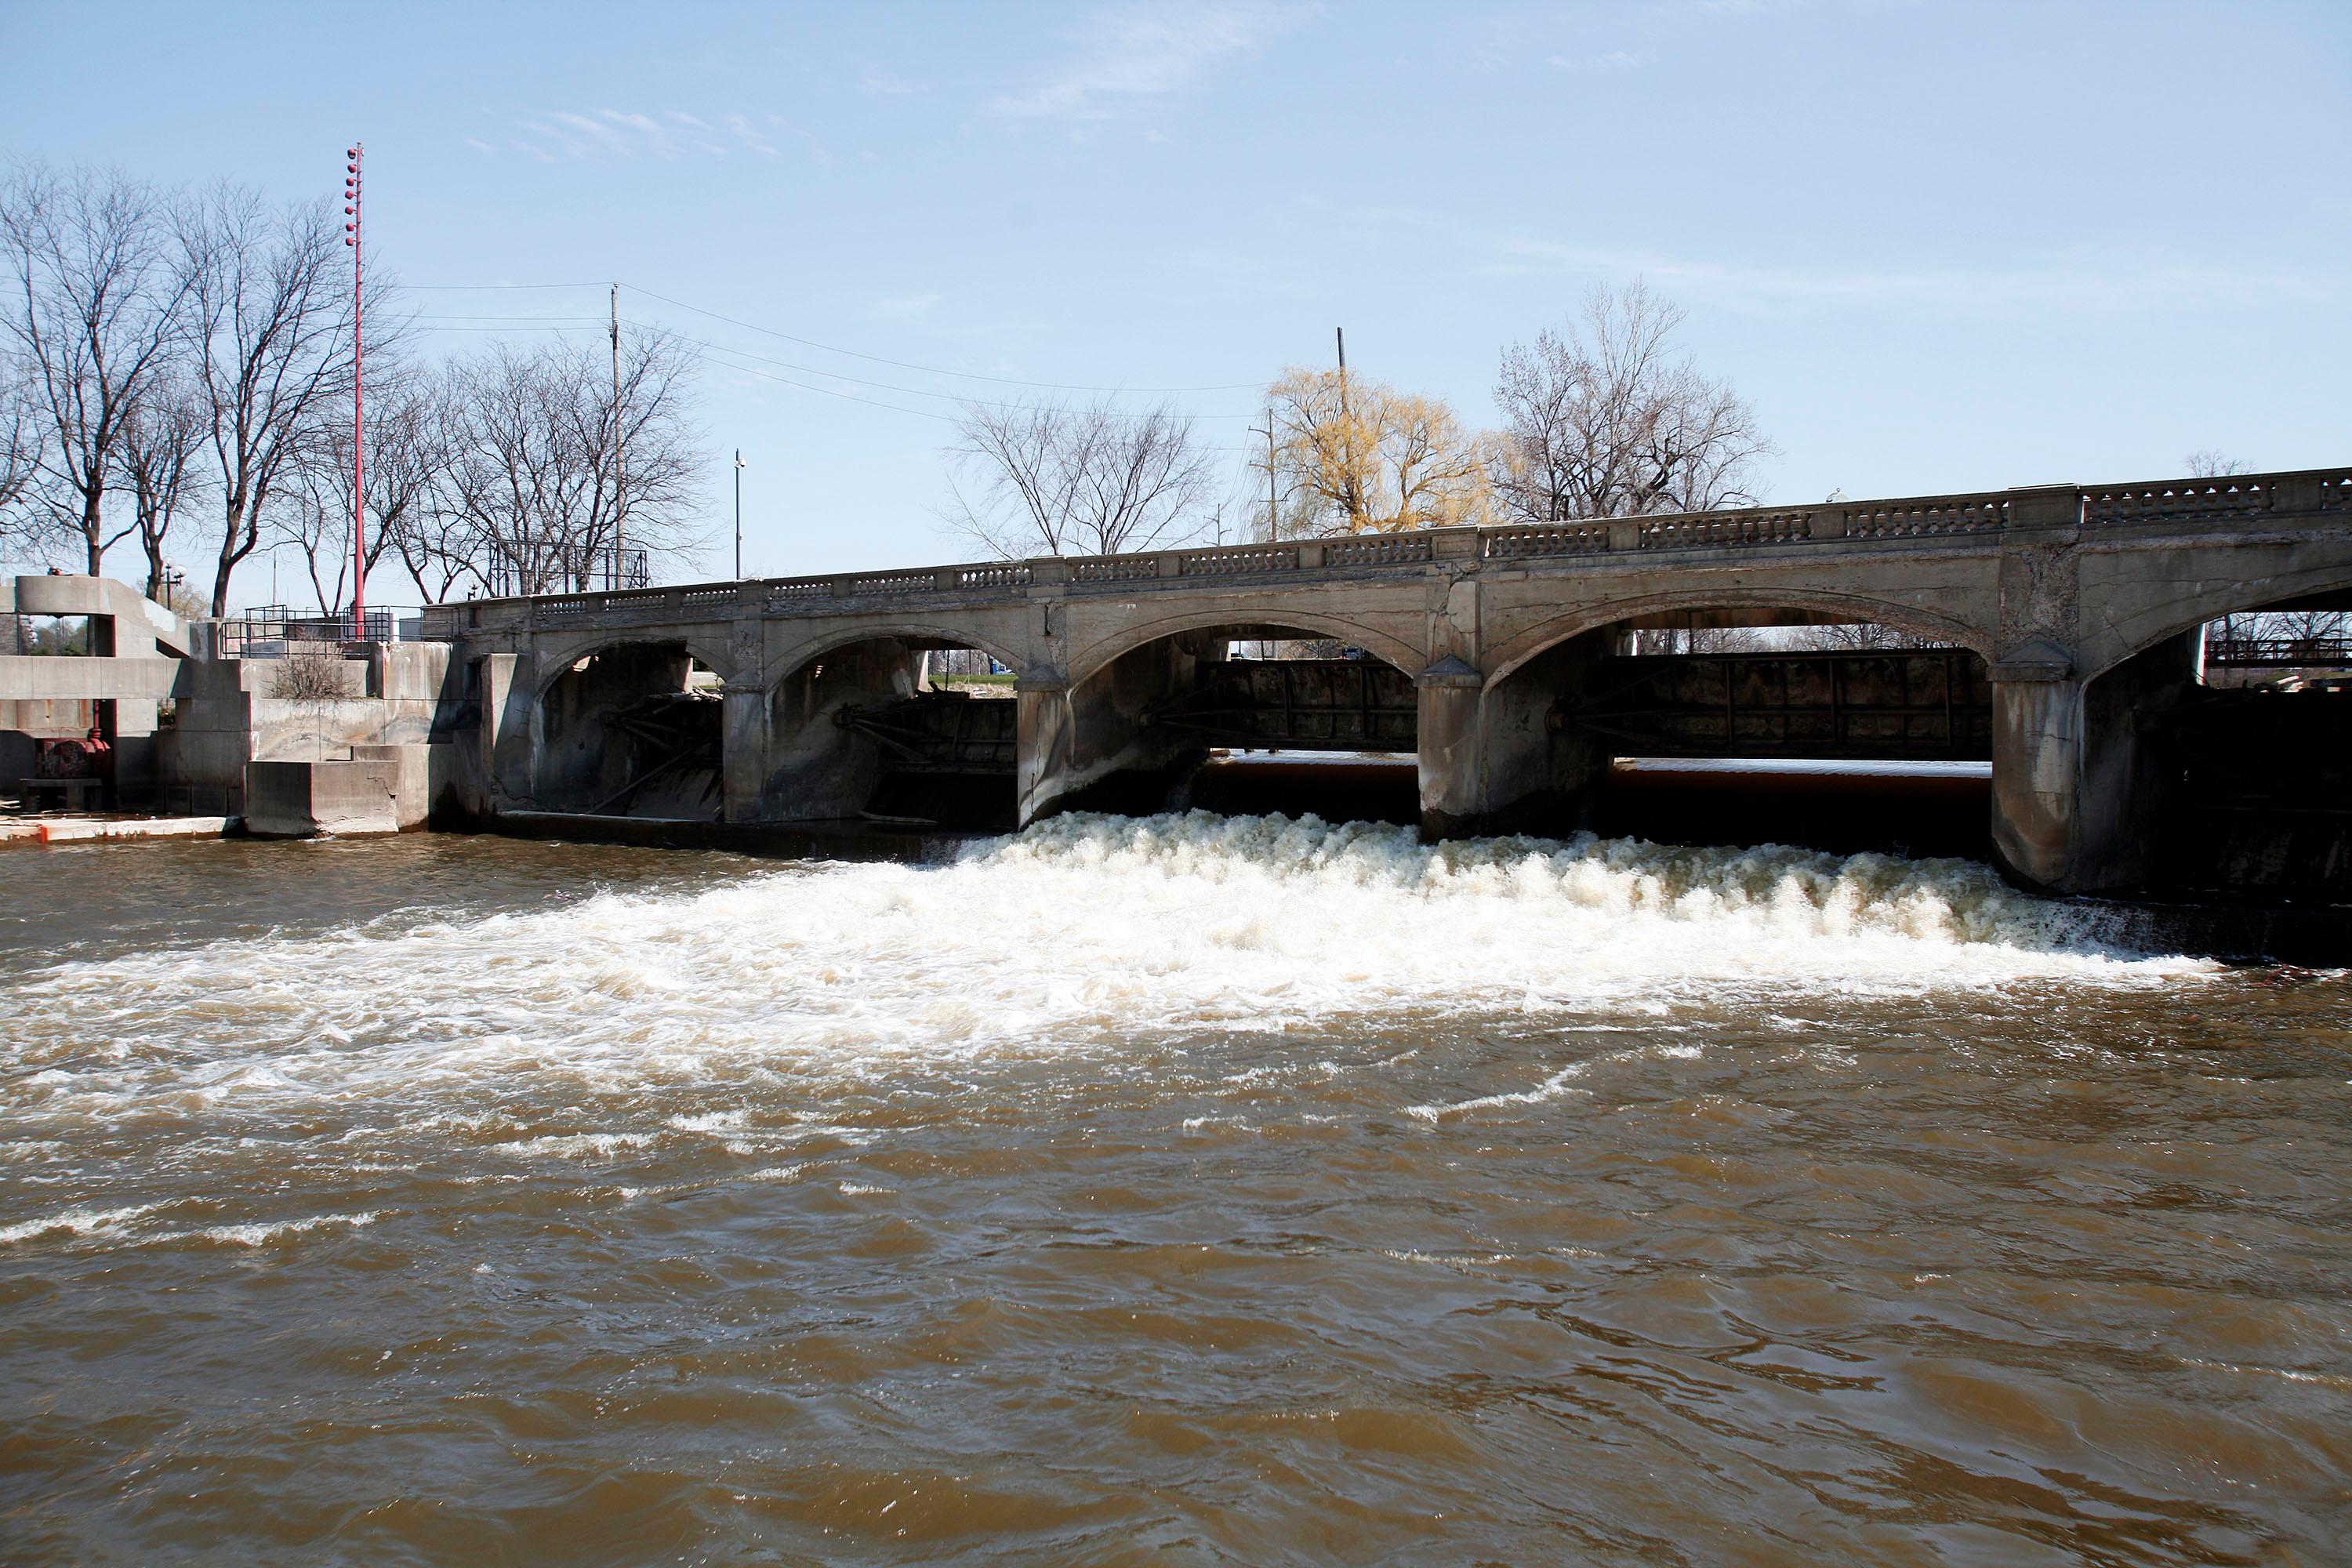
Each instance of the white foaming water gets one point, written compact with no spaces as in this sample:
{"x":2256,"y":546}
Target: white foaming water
{"x":1080,"y":933}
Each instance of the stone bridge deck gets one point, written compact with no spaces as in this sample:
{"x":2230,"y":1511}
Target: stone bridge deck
{"x":2081,"y":601}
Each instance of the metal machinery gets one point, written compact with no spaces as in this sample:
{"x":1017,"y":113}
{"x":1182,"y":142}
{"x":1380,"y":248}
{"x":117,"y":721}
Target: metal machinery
{"x":72,"y":768}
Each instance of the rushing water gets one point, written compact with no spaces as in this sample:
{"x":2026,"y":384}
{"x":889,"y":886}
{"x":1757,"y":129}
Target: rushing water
{"x":1193,"y":1190}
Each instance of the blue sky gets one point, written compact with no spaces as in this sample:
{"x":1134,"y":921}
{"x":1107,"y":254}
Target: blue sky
{"x":1939,"y":246}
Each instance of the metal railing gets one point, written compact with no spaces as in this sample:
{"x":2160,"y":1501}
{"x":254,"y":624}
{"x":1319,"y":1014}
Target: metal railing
{"x":274,"y":631}
{"x":2280,"y":653}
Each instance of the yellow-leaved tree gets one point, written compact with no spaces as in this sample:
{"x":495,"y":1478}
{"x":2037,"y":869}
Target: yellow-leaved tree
{"x":1356,"y":456}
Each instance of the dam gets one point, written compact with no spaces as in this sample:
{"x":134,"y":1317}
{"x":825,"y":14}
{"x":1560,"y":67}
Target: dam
{"x":2056,"y":633}
{"x":2057,"y":637}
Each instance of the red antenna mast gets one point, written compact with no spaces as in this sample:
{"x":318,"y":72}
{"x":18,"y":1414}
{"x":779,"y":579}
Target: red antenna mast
{"x":359,"y":425}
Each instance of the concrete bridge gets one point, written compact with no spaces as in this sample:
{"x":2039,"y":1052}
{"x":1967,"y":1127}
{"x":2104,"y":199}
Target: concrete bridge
{"x":2068,"y":619}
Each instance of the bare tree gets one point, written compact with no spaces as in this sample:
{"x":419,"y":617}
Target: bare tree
{"x":94,"y":313}
{"x":270,"y":336}
{"x":544,"y":466}
{"x":21,"y":450}
{"x":2209,"y":464}
{"x":163,"y":443}
{"x":1356,"y":456}
{"x":1698,"y":639}
{"x":1061,"y":479}
{"x":1604,"y":422}
{"x":1858,"y":637}
{"x":406,"y":457}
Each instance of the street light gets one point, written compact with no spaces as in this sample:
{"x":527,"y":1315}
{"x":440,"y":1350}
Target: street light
{"x":739,"y":514}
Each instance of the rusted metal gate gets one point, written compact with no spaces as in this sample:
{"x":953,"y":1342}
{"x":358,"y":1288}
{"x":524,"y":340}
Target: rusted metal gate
{"x":940,"y":733}
{"x":1931,"y":704}
{"x":1298,"y":704}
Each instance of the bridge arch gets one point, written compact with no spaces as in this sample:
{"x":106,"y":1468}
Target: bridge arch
{"x":2179,"y":617}
{"x":782,"y":665}
{"x":557,"y":658}
{"x":1539,"y":639}
{"x":1100,"y":655}
{"x":621,"y":725}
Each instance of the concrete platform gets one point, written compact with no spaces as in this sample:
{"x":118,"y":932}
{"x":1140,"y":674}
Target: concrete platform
{"x":106,"y":830}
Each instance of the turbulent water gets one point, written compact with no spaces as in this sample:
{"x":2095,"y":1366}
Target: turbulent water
{"x":1188,"y":1190}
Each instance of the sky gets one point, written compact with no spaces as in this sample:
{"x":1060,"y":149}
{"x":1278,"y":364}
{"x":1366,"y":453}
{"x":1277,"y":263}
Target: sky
{"x":1939,"y":246}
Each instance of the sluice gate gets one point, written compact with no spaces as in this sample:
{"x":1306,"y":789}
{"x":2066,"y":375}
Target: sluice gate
{"x":2256,"y":792}
{"x":1295,"y":705}
{"x":939,"y":733}
{"x":674,"y":738}
{"x":1909,"y":705}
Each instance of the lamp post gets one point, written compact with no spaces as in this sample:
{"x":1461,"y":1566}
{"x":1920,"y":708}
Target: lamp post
{"x":739,"y":514}
{"x":358,"y":459}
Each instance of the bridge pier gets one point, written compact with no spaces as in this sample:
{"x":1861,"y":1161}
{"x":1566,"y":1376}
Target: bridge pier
{"x":1493,"y":757}
{"x":1449,"y":747}
{"x":1041,"y":749}
{"x":1095,"y":745}
{"x":810,"y":767}
{"x":745,"y":732}
{"x":2078,"y":791}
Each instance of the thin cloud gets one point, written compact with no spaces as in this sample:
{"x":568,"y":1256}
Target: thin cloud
{"x":1614,"y":60}
{"x":907,"y":308}
{"x":1130,"y":55}
{"x":882,"y":84}
{"x":2072,"y":283}
{"x":555,"y":135}
{"x":740,"y":124}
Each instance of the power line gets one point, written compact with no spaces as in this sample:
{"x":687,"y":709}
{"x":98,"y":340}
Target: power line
{"x":484,"y":287}
{"x":888,"y":386}
{"x":436,"y":316}
{"x":932,"y":369}
{"x":788,"y":381}
{"x":854,"y":354}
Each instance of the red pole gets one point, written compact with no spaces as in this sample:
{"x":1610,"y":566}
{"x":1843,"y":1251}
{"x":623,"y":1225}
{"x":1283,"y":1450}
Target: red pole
{"x":359,"y":425}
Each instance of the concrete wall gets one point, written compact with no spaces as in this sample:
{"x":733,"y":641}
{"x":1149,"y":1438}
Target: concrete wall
{"x":229,"y":712}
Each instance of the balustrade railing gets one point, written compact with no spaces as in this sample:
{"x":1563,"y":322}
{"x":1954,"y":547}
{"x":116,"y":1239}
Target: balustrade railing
{"x":1114,"y":568}
{"x":1238,"y":558}
{"x":1683,"y":532}
{"x":1376,"y":550}
{"x":2231,"y":496}
{"x":895,"y":583}
{"x":1925,"y":519}
{"x":1545,"y":539}
{"x":2223,"y":500}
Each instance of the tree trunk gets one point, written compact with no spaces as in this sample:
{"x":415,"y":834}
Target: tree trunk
{"x":93,"y":528}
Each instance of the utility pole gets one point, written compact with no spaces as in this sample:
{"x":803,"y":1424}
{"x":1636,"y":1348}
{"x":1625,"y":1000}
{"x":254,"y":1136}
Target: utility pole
{"x":739,"y":514}
{"x":620,"y":472}
{"x":1341,"y":335}
{"x":1273,"y":506}
{"x":358,"y":422}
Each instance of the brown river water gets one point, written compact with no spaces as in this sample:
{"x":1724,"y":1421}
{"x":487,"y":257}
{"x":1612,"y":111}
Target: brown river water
{"x":1185,"y":1190}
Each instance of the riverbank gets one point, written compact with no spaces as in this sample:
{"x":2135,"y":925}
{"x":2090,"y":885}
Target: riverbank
{"x":34,"y":831}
